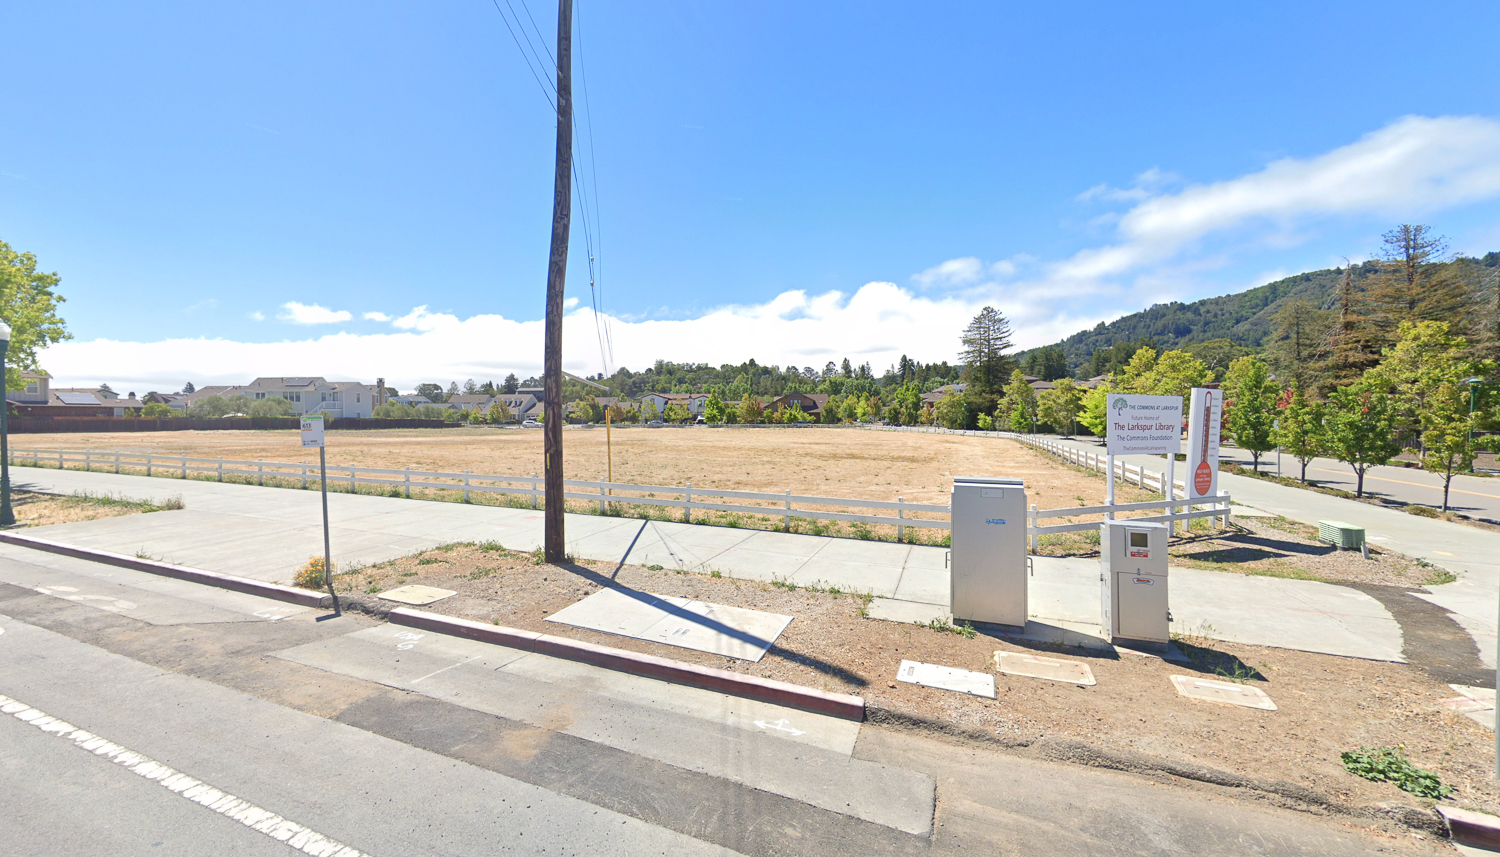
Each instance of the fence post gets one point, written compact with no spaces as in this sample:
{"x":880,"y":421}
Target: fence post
{"x":184,"y":468}
{"x":601,"y":496}
{"x":687,"y":511}
{"x":304,"y":476}
{"x":1224,"y":501}
{"x":1031,"y":524}
{"x":351,"y":480}
{"x":407,"y":476}
{"x":88,"y":461}
{"x":36,"y":458}
{"x":117,"y":463}
{"x":900,"y":528}
{"x":533,"y":490}
{"x":59,"y":459}
{"x":148,"y":464}
{"x":221,"y":468}
{"x":789,"y":510}
{"x":260,"y":472}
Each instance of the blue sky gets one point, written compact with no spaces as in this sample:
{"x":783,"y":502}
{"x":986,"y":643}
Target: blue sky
{"x":229,"y":189}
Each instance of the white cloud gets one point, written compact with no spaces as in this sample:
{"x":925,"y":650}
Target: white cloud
{"x":297,"y":313}
{"x":257,"y":316}
{"x":376,"y":316}
{"x":877,"y":323}
{"x":954,"y":272}
{"x":570,"y":303}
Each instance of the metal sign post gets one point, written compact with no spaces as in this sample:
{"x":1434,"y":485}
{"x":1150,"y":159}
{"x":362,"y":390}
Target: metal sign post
{"x":312,"y":435}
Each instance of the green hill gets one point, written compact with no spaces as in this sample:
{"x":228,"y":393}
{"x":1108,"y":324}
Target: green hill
{"x":1245,"y":318}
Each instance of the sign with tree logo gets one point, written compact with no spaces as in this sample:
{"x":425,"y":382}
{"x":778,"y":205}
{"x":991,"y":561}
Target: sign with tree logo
{"x":1204,"y":423}
{"x":1149,"y":425}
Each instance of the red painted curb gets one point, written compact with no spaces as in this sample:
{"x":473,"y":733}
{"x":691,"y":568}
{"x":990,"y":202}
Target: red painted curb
{"x":676,"y":672}
{"x":1474,"y":829}
{"x":275,"y":591}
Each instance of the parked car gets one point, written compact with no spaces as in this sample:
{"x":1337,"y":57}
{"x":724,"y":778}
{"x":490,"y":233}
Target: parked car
{"x":531,"y":424}
{"x":655,"y":424}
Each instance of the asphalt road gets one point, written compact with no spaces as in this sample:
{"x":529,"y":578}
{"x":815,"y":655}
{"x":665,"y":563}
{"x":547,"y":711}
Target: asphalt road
{"x":188,"y":725}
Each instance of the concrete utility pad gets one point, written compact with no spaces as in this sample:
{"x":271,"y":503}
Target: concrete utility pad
{"x":416,"y":594}
{"x":1475,"y":703}
{"x":734,"y":632}
{"x":1228,"y":693}
{"x":1051,"y":669}
{"x":947,"y":678}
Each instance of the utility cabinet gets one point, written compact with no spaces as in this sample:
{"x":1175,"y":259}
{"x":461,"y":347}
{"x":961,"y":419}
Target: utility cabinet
{"x":988,"y":556}
{"x":1133,"y":581}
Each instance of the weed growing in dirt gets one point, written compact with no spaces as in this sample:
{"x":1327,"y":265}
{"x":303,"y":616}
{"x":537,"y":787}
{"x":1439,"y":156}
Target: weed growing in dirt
{"x":861,"y":530}
{"x":490,"y":546}
{"x":310,"y":575}
{"x":481,"y":573}
{"x":966,"y":630}
{"x":864,"y":603}
{"x":1390,"y":765}
{"x":715,"y":574}
{"x":783,"y":583}
{"x":1435,"y":576}
{"x":1423,"y":511}
{"x":89,"y":498}
{"x":653,"y":568}
{"x":431,"y":560}
{"x":538,"y":557}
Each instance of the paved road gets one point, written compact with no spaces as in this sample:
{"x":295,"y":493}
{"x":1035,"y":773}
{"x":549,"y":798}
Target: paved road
{"x":1475,"y":496}
{"x":265,"y":533}
{"x":204,"y":718}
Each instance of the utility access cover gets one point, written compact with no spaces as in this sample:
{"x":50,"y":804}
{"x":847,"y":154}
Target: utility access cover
{"x":1223,"y":691}
{"x":416,"y":594}
{"x":947,"y":678}
{"x":733,"y":632}
{"x":1051,"y":669}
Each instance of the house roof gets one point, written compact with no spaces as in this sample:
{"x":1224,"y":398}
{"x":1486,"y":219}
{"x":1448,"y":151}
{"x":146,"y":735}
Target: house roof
{"x":469,"y":399}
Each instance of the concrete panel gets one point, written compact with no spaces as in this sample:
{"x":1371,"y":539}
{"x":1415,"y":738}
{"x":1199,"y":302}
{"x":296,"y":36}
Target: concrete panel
{"x":715,"y":628}
{"x":947,"y":678}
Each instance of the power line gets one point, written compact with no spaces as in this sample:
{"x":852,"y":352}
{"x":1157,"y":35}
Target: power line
{"x":546,"y":93}
{"x":534,"y":27}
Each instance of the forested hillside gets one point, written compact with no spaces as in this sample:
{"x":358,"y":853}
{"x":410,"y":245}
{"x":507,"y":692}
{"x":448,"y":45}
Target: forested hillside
{"x":1246,"y":319}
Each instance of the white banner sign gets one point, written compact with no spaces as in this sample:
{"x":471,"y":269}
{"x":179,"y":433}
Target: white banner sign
{"x":1144,"y":424}
{"x":1204,"y":422}
{"x":312,"y":430}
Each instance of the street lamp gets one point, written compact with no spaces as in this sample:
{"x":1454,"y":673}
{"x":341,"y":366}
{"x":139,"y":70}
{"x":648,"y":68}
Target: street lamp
{"x":7,"y":516}
{"x":1473,"y":388}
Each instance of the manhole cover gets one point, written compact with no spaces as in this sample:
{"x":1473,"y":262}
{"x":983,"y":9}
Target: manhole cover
{"x":947,"y":678}
{"x":1051,"y":669}
{"x":416,"y":594}
{"x":1223,"y":691}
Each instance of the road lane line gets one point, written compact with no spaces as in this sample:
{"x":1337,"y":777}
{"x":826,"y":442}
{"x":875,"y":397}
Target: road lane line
{"x":1412,"y":484}
{"x":225,"y":804}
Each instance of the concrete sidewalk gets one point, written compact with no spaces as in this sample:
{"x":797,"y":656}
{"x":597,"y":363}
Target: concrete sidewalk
{"x":266,"y":533}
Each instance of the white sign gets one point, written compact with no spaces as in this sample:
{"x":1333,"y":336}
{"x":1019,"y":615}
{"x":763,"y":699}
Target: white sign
{"x":1144,"y":424}
{"x":312,"y":430}
{"x":1204,"y":421}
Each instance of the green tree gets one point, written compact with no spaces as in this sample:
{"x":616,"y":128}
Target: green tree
{"x":1409,"y":286}
{"x":986,"y":422}
{"x":1353,"y":344}
{"x":270,"y":406}
{"x":510,"y":385}
{"x":985,"y":342}
{"x":1174,"y":373}
{"x":1250,"y":397}
{"x":676,"y":413}
{"x":752,"y":411}
{"x":156,"y":410}
{"x":1059,"y":406}
{"x":1019,"y":404}
{"x":1299,"y":429}
{"x":210,"y":407}
{"x":649,"y":413}
{"x":433,"y":392}
{"x":1360,"y":425}
{"x":1298,"y":344}
{"x":28,"y":303}
{"x":1095,"y":410}
{"x":1134,"y":376}
{"x":1447,"y":432}
{"x":906,"y":404}
{"x":499,"y":412}
{"x":1426,"y":356}
{"x":713,"y":409}
{"x":951,"y":411}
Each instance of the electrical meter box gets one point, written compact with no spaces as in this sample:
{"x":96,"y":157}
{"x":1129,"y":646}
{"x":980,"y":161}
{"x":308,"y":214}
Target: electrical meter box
{"x":988,"y":581}
{"x":1133,"y":580}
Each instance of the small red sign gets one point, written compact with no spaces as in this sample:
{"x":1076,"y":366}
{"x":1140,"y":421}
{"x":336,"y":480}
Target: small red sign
{"x":1140,"y":553}
{"x":1203,"y":478}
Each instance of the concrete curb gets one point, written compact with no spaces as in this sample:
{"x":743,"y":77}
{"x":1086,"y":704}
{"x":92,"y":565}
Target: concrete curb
{"x":274,"y":591}
{"x":1474,"y":829}
{"x":720,"y":681}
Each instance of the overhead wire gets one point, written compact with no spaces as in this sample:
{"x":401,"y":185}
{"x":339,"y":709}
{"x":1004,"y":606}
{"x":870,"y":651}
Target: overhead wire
{"x":546,"y":93}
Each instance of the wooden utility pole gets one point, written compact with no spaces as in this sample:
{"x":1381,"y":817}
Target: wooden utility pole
{"x":557,"y":273}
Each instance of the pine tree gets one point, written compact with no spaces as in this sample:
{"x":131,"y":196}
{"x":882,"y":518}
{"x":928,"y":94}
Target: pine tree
{"x":1297,"y":346}
{"x":985,"y":342}
{"x":1353,"y":346}
{"x":1410,"y":286}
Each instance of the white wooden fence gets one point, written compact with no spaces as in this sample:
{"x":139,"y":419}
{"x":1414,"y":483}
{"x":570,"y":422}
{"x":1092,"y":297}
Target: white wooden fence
{"x":898,"y":513}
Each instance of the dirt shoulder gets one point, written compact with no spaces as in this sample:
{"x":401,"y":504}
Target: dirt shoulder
{"x":35,"y":509}
{"x":1327,"y":705}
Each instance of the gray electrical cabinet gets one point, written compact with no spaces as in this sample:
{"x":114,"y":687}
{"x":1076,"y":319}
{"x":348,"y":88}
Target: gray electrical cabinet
{"x":988,"y":581}
{"x":1133,"y":580}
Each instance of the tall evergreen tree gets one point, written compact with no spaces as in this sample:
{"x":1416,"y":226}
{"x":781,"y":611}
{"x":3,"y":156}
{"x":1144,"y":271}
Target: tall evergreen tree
{"x":1297,"y":346}
{"x":985,"y":342}
{"x":1410,"y":286}
{"x":1353,"y":345}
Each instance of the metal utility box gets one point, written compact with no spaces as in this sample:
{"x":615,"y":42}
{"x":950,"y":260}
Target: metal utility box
{"x":1341,"y":535}
{"x":988,"y":581}
{"x":1133,"y":580}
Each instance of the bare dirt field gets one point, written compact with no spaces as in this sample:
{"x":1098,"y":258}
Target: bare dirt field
{"x":1327,"y":705}
{"x":34,"y":509}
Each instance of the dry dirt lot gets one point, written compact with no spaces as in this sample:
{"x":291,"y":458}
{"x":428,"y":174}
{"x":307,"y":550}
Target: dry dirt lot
{"x":1327,"y":705}
{"x":35,"y":509}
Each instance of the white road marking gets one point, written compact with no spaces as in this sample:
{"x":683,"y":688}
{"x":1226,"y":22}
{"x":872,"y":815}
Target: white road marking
{"x":779,"y":726}
{"x":257,"y":819}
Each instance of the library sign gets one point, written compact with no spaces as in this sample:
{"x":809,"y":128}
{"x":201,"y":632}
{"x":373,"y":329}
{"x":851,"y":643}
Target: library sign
{"x":1150,"y":425}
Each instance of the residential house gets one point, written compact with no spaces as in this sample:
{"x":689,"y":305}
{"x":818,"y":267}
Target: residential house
{"x":39,"y":399}
{"x":523,"y":406}
{"x":469,"y":402}
{"x":307,"y":395}
{"x":694,"y":402}
{"x":414,"y":400}
{"x":811,"y":404}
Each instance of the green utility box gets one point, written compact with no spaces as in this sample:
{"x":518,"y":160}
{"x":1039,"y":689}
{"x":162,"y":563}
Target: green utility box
{"x":1341,"y":535}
